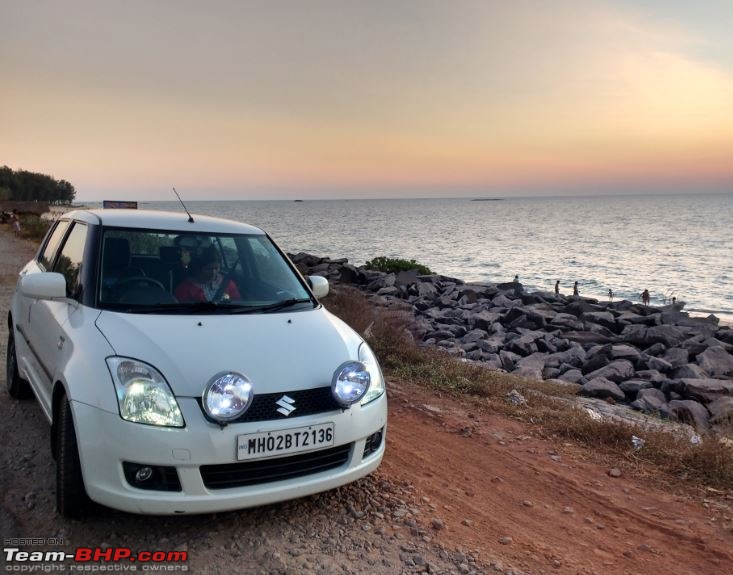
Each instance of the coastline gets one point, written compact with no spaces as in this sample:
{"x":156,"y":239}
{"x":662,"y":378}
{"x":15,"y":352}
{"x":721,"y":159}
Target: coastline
{"x":656,"y":360}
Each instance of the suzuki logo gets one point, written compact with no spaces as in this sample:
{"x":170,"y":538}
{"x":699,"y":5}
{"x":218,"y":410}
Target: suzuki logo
{"x":287,"y":405}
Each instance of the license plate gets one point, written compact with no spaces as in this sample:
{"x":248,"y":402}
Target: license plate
{"x":284,"y":441}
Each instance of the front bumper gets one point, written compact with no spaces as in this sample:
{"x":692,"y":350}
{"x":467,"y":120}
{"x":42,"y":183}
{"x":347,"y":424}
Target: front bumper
{"x":106,"y":441}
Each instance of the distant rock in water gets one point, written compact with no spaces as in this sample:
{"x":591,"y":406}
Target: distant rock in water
{"x":655,"y":360}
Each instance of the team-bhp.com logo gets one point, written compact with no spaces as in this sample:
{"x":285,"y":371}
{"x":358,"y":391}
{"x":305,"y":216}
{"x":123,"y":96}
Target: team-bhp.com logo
{"x":47,"y":561}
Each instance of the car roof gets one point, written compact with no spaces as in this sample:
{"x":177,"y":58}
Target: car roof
{"x":160,"y":220}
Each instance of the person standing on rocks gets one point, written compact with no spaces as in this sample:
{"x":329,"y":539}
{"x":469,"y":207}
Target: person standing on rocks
{"x":645,"y":297}
{"x":557,"y":287}
{"x":610,"y":294}
{"x":575,"y":289}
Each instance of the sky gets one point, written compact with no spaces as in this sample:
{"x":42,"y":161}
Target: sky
{"x":382,"y":98}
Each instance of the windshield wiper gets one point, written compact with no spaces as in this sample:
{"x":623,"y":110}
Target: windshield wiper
{"x":187,"y":307}
{"x":278,"y":305}
{"x":204,"y":307}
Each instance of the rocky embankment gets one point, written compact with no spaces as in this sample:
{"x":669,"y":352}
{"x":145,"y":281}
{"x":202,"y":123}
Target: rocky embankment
{"x":656,"y":360}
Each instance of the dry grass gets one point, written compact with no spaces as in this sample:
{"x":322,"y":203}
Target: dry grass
{"x":709,"y":463}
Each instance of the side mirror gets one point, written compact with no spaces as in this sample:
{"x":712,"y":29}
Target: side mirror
{"x":319,"y":285}
{"x":45,"y":285}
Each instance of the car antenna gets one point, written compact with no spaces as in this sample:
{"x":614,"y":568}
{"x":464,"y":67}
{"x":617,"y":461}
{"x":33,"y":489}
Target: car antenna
{"x":190,"y":217}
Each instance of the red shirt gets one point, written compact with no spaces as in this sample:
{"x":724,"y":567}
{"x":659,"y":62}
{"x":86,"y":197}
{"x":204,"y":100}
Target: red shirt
{"x":190,"y":290}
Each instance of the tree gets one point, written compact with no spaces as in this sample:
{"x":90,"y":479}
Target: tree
{"x":30,"y":186}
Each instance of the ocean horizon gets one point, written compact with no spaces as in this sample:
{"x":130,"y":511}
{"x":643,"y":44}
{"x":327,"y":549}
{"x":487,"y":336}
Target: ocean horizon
{"x":676,"y":245}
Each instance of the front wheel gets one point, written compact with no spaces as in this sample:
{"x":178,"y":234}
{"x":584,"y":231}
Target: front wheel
{"x":18,"y":388}
{"x":72,"y":500}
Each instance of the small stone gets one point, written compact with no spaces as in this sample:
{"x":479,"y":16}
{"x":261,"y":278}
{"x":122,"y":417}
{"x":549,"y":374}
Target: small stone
{"x":527,"y":503}
{"x":467,"y":522}
{"x":437,"y":524}
{"x":355,"y":513}
{"x":568,"y":510}
{"x":614,"y":472}
{"x":506,"y":540}
{"x":556,"y":563}
{"x":515,"y":398}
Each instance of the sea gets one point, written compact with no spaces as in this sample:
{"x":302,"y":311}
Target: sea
{"x":677,"y":246}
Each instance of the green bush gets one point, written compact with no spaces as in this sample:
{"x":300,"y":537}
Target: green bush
{"x":33,"y":227}
{"x":394,"y":265}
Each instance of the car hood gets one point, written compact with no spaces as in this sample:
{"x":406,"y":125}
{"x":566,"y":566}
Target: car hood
{"x":277,"y":352}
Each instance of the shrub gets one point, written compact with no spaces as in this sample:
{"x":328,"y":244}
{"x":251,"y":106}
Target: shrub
{"x":33,"y":227}
{"x":394,"y":265}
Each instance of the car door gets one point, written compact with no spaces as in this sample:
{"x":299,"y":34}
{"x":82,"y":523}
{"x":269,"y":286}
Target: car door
{"x":47,"y":318}
{"x":26,"y":347}
{"x":43,"y":262}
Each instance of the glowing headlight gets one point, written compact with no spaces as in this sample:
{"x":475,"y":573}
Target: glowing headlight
{"x":227,"y":396}
{"x":350,"y":382}
{"x":143,"y":393}
{"x":376,"y":388}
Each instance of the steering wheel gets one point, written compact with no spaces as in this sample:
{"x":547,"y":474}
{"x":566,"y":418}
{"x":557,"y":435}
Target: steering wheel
{"x":138,"y":279}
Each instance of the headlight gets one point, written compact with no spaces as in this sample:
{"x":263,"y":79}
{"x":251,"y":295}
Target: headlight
{"x":227,"y":396}
{"x":143,"y":393}
{"x":350,"y":382}
{"x":376,"y":388}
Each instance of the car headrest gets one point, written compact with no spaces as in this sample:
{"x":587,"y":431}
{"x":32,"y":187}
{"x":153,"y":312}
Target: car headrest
{"x":170,"y":254}
{"x":116,"y":253}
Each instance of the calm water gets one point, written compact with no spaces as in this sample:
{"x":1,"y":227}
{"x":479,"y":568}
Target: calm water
{"x":671,"y":245}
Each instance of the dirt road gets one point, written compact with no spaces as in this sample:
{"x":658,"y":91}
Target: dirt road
{"x":461,"y":490}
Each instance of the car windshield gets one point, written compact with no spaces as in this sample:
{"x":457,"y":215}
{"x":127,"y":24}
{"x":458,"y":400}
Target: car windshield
{"x":151,"y":271}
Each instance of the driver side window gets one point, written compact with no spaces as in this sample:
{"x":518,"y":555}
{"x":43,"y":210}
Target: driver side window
{"x":52,"y":245}
{"x":69,"y":262}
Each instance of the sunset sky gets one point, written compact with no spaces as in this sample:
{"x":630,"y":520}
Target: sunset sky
{"x":398,"y":98}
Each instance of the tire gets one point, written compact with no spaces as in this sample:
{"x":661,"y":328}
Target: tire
{"x":72,"y":500}
{"x":18,"y":388}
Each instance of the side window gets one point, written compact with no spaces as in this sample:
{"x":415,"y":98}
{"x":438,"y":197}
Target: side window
{"x":52,"y":245}
{"x":69,"y":262}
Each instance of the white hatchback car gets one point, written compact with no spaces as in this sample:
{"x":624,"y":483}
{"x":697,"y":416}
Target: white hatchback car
{"x":187,"y":367}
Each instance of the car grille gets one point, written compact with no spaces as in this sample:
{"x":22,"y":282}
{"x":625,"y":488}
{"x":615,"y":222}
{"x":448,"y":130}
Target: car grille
{"x":306,"y":402}
{"x":229,"y":475}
